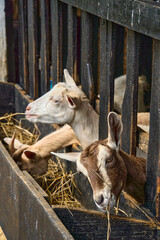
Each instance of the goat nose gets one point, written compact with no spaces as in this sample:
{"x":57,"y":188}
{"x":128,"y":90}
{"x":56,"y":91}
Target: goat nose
{"x":28,"y":108}
{"x":99,"y":200}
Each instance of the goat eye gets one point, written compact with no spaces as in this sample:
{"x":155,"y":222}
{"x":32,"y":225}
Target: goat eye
{"x":109,"y":159}
{"x":54,"y":100}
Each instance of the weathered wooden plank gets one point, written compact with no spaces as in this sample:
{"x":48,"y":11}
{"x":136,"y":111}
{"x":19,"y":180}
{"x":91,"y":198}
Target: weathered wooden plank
{"x":153,"y":157}
{"x":89,"y":225}
{"x":107,"y":61}
{"x":129,"y":106}
{"x":7,"y":98}
{"x":24,"y":213}
{"x":45,"y":68}
{"x":23,"y":44}
{"x":86,"y":49}
{"x":72,"y":42}
{"x":140,"y":16}
{"x":95,"y":52}
{"x":32,"y":49}
{"x":54,"y":33}
{"x":60,"y":41}
{"x":119,"y":58}
{"x":10,"y":34}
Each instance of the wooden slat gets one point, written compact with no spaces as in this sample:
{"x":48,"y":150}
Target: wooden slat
{"x":86,"y":49}
{"x":45,"y":70}
{"x":32,"y":49}
{"x":129,"y":106}
{"x":140,"y":16}
{"x":72,"y":42}
{"x":60,"y":41}
{"x":23,"y":44}
{"x":54,"y":30}
{"x":10,"y":41}
{"x":154,"y":134}
{"x":107,"y":59}
{"x":119,"y":63}
{"x":95,"y":52}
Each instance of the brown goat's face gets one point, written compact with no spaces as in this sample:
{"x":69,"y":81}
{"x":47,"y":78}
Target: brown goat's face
{"x":105,"y":171}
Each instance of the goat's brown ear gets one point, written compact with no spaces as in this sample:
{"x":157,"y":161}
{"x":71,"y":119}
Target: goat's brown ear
{"x":68,"y":79}
{"x":115,"y":128}
{"x":31,"y":155}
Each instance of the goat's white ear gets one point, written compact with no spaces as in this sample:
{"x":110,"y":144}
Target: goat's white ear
{"x":115,"y":128}
{"x":72,"y":156}
{"x":68,"y":79}
{"x":70,"y":101}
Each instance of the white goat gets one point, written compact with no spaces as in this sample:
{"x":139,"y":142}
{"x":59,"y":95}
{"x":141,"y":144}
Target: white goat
{"x":66,"y":103}
{"x":34,"y":158}
{"x":119,"y":89}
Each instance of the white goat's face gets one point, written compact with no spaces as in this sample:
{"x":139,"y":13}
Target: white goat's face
{"x":102,"y":165}
{"x":58,"y":105}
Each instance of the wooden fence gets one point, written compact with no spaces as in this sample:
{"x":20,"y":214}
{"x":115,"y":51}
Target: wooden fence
{"x":58,"y":34}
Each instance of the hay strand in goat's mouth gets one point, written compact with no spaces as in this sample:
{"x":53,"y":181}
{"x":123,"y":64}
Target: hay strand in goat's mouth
{"x":108,"y":219}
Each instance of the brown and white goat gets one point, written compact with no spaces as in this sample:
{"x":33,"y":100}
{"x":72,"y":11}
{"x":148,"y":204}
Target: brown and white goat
{"x":67,"y":103}
{"x":109,"y":169}
{"x":34,"y":158}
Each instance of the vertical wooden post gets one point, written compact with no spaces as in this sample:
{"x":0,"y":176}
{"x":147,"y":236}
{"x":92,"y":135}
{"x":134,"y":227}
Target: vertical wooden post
{"x":10,"y":41}
{"x":23,"y":45}
{"x":32,"y":48}
{"x":86,"y":49}
{"x":129,"y":106}
{"x":54,"y":30}
{"x":72,"y":42}
{"x":107,"y":59}
{"x":153,"y":157}
{"x":45,"y":70}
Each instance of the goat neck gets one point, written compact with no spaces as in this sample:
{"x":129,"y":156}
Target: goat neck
{"x":136,"y":176}
{"x":85,"y":124}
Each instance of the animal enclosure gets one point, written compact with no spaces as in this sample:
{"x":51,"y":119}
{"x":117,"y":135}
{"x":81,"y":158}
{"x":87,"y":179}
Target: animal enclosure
{"x":96,"y":41}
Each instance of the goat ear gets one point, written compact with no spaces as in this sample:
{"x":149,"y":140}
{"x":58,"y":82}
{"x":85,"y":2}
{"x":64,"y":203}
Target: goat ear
{"x":115,"y":128}
{"x":68,"y":79}
{"x":71,"y":101}
{"x":72,"y":156}
{"x":31,"y":155}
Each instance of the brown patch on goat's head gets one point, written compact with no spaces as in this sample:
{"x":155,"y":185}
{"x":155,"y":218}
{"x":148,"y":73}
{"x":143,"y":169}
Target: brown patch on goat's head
{"x":106,"y":172}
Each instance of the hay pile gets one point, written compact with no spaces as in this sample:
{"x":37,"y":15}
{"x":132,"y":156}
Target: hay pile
{"x":57,"y":183}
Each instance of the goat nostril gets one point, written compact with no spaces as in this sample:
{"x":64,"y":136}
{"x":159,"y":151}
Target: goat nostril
{"x":28,"y":108}
{"x":100,"y":200}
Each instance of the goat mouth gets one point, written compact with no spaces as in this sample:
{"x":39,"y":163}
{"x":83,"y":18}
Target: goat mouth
{"x":31,"y":115}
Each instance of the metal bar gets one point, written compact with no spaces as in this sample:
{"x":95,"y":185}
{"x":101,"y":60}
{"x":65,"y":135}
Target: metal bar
{"x":137,"y":15}
{"x":129,"y":106}
{"x":72,"y":42}
{"x":45,"y":68}
{"x":23,"y":45}
{"x":32,"y":49}
{"x":107,"y":60}
{"x":154,"y":133}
